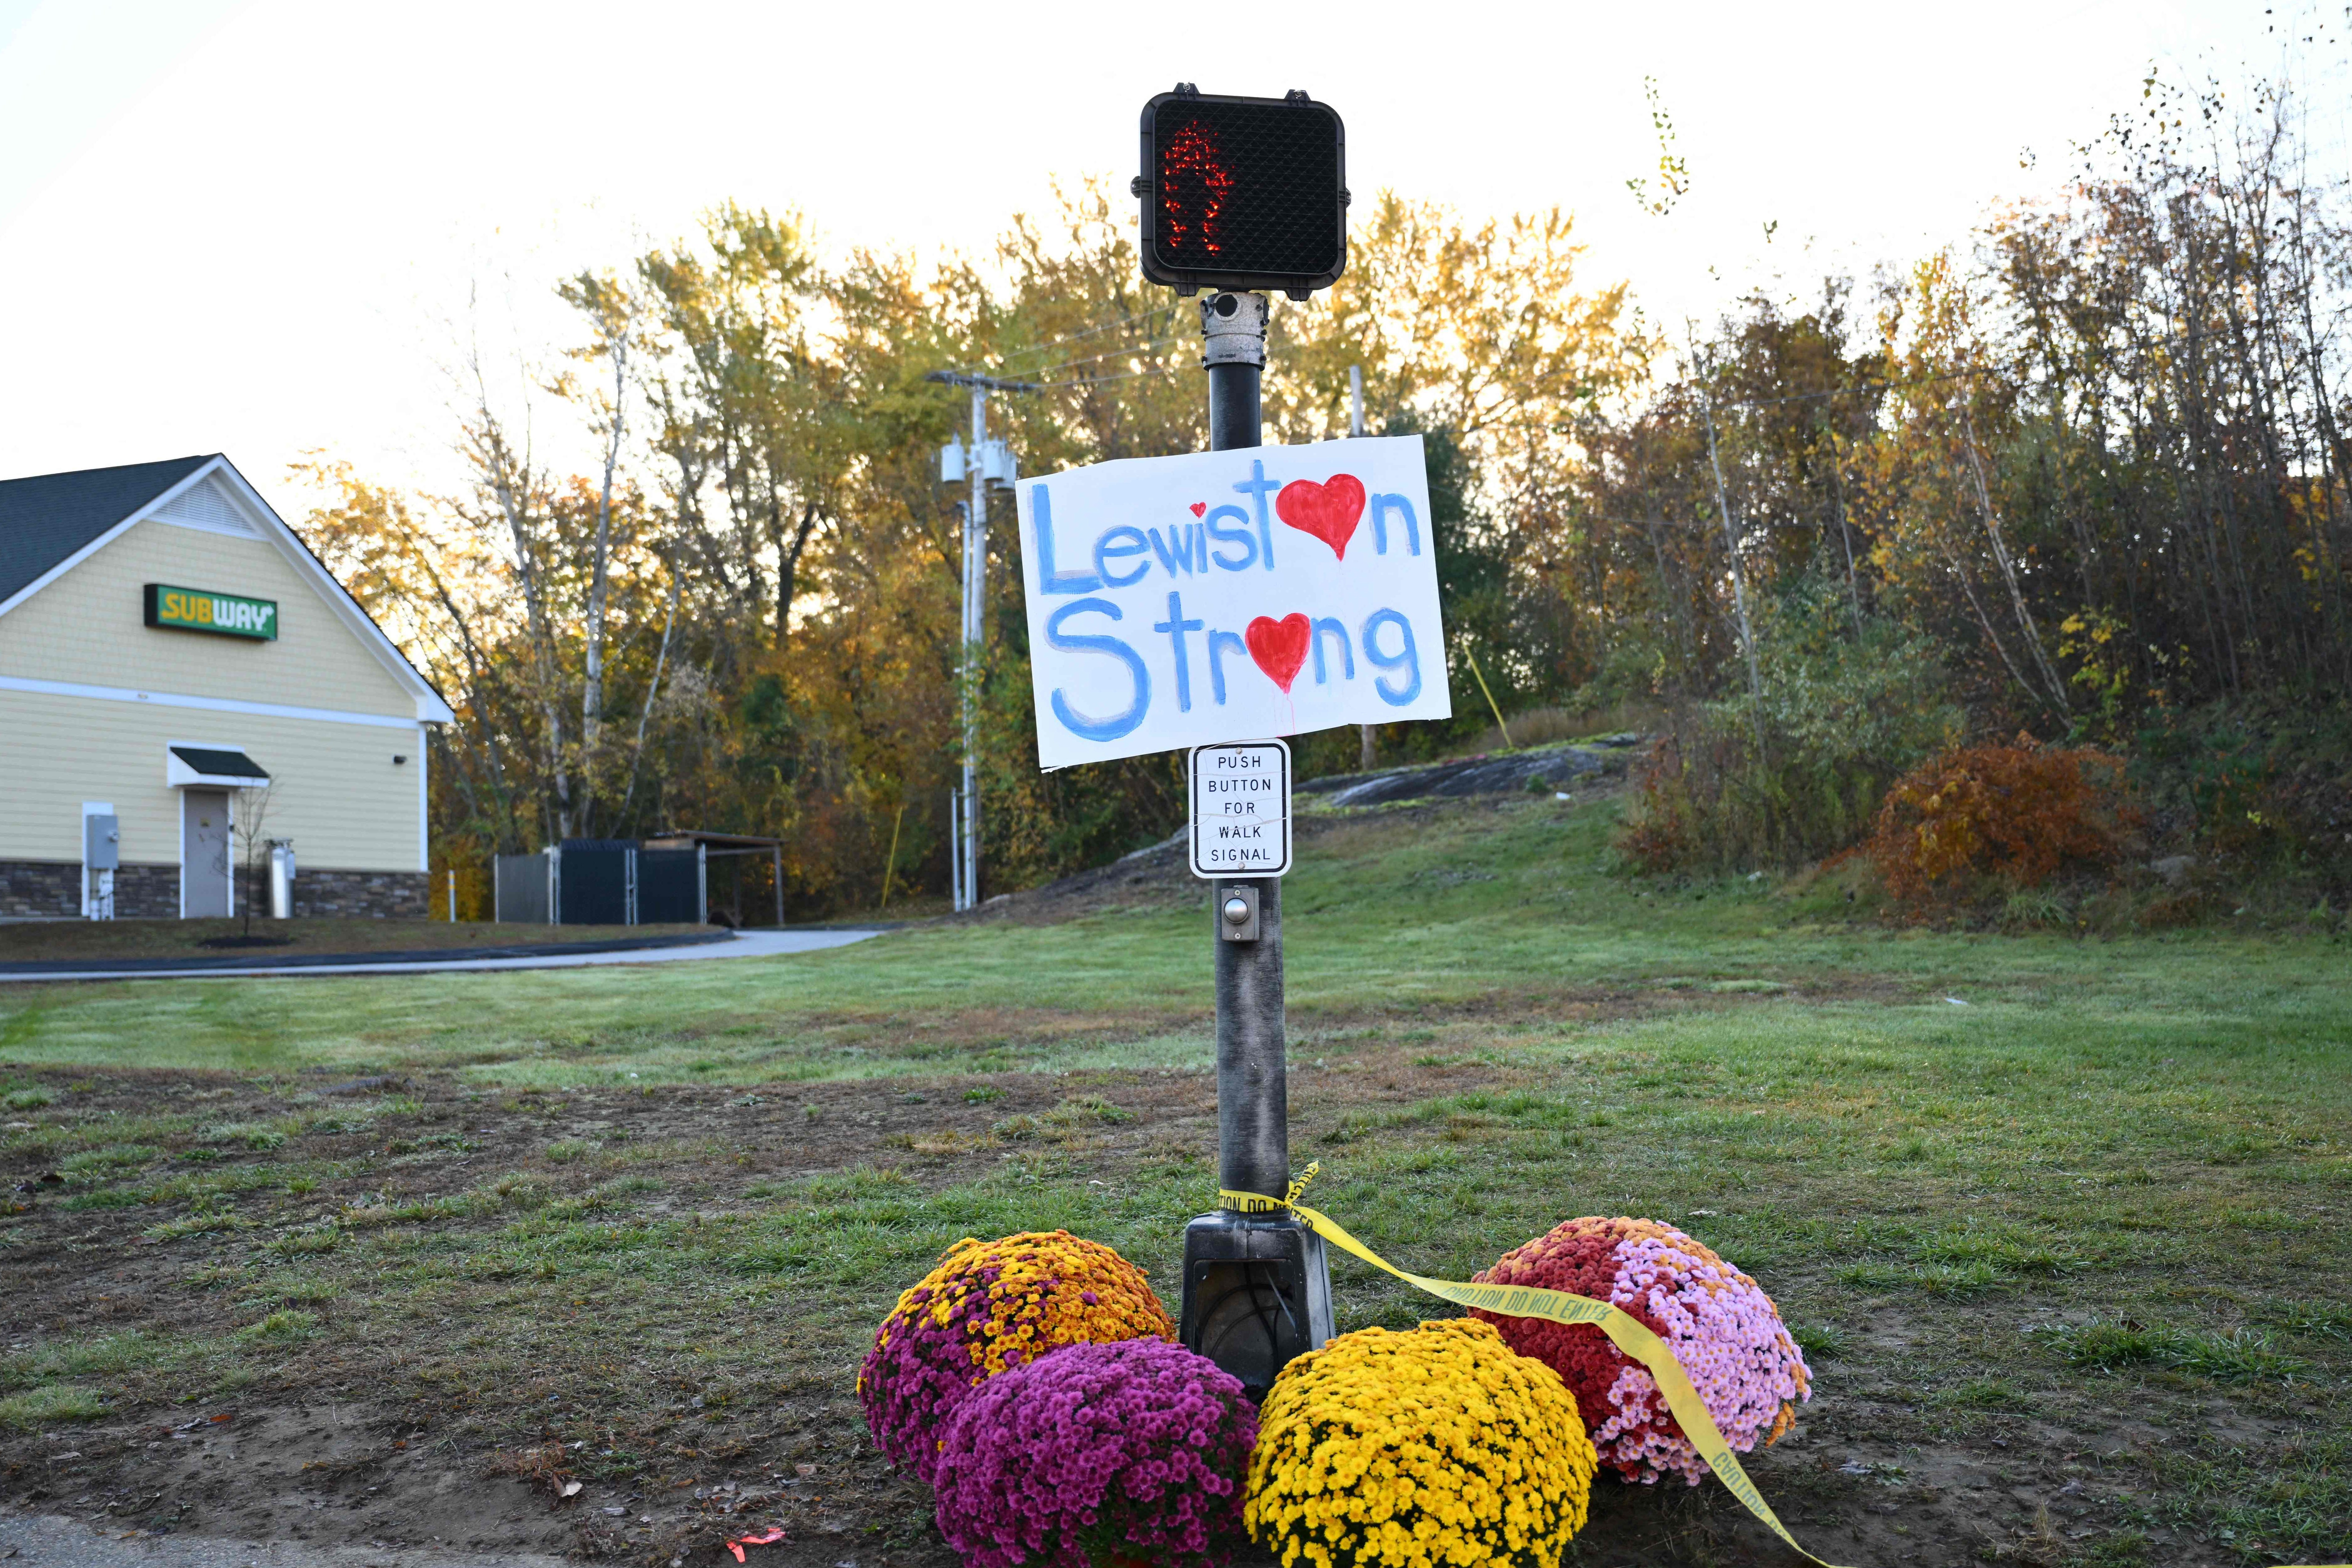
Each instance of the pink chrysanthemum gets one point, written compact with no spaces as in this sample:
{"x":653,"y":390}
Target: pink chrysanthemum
{"x":1718,"y":1322}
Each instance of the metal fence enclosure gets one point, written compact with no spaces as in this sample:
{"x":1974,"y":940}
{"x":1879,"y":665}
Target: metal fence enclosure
{"x":598,"y":886}
{"x":615,"y":882}
{"x":523,"y":889}
{"x":671,"y":887}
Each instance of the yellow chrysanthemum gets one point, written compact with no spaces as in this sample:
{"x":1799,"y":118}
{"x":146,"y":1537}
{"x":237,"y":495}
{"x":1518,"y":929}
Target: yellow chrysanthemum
{"x":988,"y":1306}
{"x":1438,"y":1448}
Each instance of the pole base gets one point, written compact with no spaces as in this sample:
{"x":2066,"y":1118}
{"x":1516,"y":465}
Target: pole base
{"x":1257,"y":1294}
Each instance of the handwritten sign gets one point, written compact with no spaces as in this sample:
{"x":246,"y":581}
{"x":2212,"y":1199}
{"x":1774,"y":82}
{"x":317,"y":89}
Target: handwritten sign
{"x":1241,"y":809}
{"x":1224,"y":595}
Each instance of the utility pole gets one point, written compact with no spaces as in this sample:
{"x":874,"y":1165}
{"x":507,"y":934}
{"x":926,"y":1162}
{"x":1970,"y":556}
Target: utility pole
{"x":989,"y":461}
{"x":1257,"y":1288}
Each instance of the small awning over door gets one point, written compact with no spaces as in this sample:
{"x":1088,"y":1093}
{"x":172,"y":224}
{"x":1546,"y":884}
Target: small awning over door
{"x":210,"y":767}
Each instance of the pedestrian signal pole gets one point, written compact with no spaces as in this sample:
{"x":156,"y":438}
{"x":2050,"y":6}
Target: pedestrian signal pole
{"x":1243,"y":196}
{"x":987,"y":463}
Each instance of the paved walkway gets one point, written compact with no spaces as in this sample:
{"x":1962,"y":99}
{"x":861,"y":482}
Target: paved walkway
{"x":52,"y":1541}
{"x":744,"y":944}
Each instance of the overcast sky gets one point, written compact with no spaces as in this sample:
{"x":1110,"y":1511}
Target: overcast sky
{"x":254,"y":227}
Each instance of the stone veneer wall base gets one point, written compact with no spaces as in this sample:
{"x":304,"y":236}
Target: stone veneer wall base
{"x":51,"y":890}
{"x":40,"y":890}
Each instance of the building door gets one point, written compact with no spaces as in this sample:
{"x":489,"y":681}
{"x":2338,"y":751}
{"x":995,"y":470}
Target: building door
{"x":204,"y":854}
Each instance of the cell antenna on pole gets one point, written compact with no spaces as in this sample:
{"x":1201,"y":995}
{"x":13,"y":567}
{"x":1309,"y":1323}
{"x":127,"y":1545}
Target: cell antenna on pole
{"x":983,"y":463}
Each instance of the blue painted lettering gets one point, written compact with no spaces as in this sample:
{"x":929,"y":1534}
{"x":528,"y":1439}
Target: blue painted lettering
{"x":1118,"y":545}
{"x":1218,"y":643}
{"x":1080,"y":724}
{"x":1330,"y":627}
{"x":1382,"y":506}
{"x":1229,"y":535}
{"x":1176,"y":625}
{"x":1257,"y":487}
{"x":1406,"y":659}
{"x":1177,"y":552}
{"x":1041,"y":507}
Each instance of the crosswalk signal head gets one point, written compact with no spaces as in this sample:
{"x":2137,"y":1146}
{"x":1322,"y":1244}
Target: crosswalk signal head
{"x":1243,"y":193}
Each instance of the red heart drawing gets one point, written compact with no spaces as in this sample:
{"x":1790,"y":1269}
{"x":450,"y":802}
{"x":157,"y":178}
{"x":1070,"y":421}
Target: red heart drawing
{"x":1199,"y":507}
{"x":1330,"y":511}
{"x":1280,"y":646}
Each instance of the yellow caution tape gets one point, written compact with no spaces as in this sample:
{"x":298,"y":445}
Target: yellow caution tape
{"x":1630,"y":1334}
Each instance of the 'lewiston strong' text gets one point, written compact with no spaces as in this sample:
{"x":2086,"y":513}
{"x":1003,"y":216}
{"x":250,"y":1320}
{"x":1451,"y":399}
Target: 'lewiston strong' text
{"x":1241,"y":809}
{"x":1266,"y":590}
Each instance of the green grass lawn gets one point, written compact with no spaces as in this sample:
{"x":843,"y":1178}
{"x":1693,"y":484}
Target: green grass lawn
{"x":2062,"y":1224}
{"x":1481,"y":906}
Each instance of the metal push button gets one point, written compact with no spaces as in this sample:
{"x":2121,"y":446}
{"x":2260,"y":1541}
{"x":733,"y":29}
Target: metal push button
{"x":1237,"y":912}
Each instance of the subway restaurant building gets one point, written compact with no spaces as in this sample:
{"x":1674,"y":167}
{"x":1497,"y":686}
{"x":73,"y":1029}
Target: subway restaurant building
{"x":178,"y":670}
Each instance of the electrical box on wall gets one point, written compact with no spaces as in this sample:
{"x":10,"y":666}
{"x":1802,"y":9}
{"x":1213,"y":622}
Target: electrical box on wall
{"x":101,"y":843}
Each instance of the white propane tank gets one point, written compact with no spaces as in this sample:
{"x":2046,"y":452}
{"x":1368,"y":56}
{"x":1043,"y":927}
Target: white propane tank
{"x":281,"y":879}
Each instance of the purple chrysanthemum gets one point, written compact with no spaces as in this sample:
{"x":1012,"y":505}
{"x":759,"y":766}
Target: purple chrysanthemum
{"x":1137,"y":1449}
{"x":986,"y":1308}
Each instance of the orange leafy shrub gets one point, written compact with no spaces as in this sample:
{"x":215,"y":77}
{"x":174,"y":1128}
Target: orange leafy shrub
{"x":2015,"y":814}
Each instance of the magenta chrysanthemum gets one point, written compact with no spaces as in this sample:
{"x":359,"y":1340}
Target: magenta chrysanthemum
{"x":986,"y":1308}
{"x":1094,"y":1453}
{"x":1718,"y":1322}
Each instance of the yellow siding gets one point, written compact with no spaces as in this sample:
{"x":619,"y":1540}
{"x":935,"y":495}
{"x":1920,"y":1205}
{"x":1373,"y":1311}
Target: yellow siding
{"x":338,"y":794}
{"x":86,"y":628}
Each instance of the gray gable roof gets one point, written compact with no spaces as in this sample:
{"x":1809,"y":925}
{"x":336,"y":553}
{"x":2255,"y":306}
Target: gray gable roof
{"x":47,"y":517}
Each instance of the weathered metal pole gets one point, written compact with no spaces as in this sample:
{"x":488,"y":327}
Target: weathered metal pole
{"x":1253,"y":1091}
{"x":1257,"y":1288}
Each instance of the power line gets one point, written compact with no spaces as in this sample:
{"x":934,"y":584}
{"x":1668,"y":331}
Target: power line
{"x":1100,"y":380}
{"x":1115,"y":353}
{"x":1124,"y":320}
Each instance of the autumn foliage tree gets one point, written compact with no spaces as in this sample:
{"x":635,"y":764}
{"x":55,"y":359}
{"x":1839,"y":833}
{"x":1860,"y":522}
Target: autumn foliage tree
{"x":745,"y":619}
{"x":2086,"y":477}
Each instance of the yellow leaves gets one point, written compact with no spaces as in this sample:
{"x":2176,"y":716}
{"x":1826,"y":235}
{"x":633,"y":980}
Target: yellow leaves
{"x":1479,"y":328}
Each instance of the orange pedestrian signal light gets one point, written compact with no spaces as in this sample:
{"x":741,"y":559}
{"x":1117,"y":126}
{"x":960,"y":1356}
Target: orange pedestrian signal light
{"x":1243,"y":193}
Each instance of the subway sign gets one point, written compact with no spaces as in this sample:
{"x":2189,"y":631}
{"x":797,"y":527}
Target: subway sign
{"x":202,"y":610}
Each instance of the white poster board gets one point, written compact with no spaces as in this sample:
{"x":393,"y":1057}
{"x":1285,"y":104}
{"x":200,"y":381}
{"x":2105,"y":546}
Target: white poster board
{"x":1179,"y":601}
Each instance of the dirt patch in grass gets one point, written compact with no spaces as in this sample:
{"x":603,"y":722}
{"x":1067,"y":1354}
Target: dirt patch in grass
{"x":284,"y":1468}
{"x":429,"y":1307}
{"x":1021,"y":1031}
